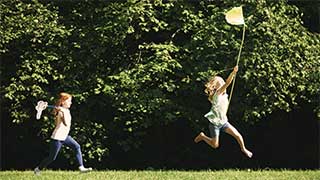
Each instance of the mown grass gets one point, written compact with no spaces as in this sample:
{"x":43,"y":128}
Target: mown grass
{"x":167,"y":174}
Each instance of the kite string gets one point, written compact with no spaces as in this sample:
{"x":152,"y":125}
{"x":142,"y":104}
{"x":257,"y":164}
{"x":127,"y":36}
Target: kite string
{"x":238,"y":59}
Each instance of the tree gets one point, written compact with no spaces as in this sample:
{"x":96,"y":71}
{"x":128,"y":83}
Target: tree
{"x":138,"y":65}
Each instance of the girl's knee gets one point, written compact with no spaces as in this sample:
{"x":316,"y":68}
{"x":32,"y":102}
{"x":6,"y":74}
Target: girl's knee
{"x":214,"y":144}
{"x":77,"y":146}
{"x":238,"y":135}
{"x":77,"y":149}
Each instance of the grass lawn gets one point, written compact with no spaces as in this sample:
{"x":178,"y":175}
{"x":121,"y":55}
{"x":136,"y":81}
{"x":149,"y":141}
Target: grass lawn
{"x":167,"y":174}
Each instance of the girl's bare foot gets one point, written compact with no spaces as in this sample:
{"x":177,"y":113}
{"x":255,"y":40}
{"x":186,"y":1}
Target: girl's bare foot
{"x":247,"y":153}
{"x":199,"y":137}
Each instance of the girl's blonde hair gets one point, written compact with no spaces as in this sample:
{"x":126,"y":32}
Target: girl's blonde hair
{"x":62,"y":97}
{"x":212,"y":86}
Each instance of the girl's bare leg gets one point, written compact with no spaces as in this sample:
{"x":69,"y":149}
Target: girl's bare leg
{"x":213,"y":142}
{"x":235,"y":133}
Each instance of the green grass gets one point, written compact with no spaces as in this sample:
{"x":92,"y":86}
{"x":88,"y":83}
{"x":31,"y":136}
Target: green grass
{"x":165,"y":175}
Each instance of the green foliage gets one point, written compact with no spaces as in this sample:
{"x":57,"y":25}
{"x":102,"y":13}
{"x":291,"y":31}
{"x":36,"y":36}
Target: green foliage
{"x":282,"y":61}
{"x":32,"y":33}
{"x":135,"y":65}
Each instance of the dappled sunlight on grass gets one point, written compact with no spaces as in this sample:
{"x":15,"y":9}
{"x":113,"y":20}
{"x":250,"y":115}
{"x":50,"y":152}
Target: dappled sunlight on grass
{"x":170,"y":174}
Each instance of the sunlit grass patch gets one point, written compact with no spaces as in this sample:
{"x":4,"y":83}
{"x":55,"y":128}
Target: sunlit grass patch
{"x":167,"y":174}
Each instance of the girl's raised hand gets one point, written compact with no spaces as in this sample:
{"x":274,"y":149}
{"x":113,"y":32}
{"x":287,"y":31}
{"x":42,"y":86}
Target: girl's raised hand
{"x":235,"y":69}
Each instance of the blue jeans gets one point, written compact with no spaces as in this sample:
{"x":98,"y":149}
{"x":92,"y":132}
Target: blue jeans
{"x":55,"y":147}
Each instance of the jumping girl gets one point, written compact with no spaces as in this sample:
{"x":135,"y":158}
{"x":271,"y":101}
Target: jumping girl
{"x":217,"y":116}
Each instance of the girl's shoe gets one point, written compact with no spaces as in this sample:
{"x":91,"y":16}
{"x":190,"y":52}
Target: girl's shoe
{"x":83,"y":169}
{"x":36,"y":171}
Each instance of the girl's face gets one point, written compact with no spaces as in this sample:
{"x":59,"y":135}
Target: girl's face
{"x":67,"y":103}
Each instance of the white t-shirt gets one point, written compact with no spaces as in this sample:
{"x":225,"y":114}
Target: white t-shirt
{"x":61,"y":131}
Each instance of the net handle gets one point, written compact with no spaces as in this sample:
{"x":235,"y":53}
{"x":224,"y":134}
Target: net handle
{"x":238,"y":59}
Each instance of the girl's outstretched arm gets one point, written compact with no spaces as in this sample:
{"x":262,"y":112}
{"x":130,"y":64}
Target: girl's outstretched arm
{"x":228,"y":81}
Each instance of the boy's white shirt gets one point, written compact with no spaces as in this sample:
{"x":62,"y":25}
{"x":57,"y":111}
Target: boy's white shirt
{"x":61,"y":131}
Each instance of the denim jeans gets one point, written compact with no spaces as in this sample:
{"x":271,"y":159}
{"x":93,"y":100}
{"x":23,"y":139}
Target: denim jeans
{"x":55,"y":147}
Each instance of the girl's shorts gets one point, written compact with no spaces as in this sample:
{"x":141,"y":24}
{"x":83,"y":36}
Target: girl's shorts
{"x":215,"y":130}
